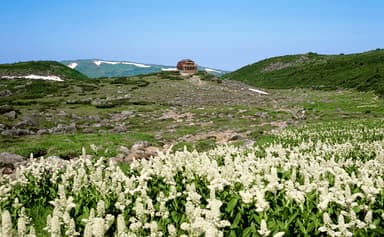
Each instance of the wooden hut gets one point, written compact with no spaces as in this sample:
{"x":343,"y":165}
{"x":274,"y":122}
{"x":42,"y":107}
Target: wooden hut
{"x":187,"y":67}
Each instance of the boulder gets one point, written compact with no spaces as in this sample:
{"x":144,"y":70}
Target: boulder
{"x":15,"y":132}
{"x":5,"y":93}
{"x":235,"y":137}
{"x":124,"y":150}
{"x":262,"y":115}
{"x":143,"y":153}
{"x":42,"y":131}
{"x":121,"y":116}
{"x":140,"y":145}
{"x":27,"y":121}
{"x":158,"y":136}
{"x":247,"y":143}
{"x":126,"y":113}
{"x":75,"y":117}
{"x":62,"y":113}
{"x":89,"y":130}
{"x":8,"y":159}
{"x":119,"y":128}
{"x":10,"y":115}
{"x":9,"y":162}
{"x":95,"y":118}
{"x":61,"y":128}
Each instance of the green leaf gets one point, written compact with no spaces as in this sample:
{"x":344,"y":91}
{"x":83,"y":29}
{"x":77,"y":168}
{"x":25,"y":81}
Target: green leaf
{"x":232,"y":233}
{"x":175,"y":216}
{"x":231,"y":205}
{"x":247,"y":232}
{"x":236,"y":221}
{"x":301,"y":227}
{"x":293,"y":217}
{"x":253,"y":228}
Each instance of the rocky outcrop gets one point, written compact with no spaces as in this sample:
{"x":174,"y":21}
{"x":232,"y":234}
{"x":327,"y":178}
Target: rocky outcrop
{"x":139,"y":150}
{"x":27,"y":121}
{"x":16,"y":132}
{"x":121,"y":116}
{"x":9,"y":162}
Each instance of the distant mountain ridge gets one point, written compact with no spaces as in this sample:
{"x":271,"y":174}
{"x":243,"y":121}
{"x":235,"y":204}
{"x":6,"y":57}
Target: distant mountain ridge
{"x":361,"y":71}
{"x":96,"y":68}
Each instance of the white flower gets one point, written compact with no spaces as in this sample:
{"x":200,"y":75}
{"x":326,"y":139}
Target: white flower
{"x":98,"y":227}
{"x":88,"y":230}
{"x":343,"y":228}
{"x":16,"y":204}
{"x":171,"y":230}
{"x":71,"y":230}
{"x":55,"y":226}
{"x":279,"y":234}
{"x":6,"y":223}
{"x":246,"y":196}
{"x":185,"y":226}
{"x":263,"y":228}
{"x":151,"y":226}
{"x":32,"y":232}
{"x":368,"y":217}
{"x":100,"y":208}
{"x":121,"y":227}
{"x":135,"y":226}
{"x":109,"y":219}
{"x":326,"y":218}
{"x":21,"y":226}
{"x":261,"y":203}
{"x":323,"y":229}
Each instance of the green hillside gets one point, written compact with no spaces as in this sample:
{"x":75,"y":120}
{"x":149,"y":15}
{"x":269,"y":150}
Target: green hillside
{"x":364,"y":72}
{"x":42,"y":68}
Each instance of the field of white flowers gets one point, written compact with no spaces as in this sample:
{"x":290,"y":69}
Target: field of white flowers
{"x":318,"y":181}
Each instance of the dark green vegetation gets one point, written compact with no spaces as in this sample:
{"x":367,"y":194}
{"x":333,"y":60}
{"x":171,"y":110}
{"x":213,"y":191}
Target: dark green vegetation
{"x":364,"y":72}
{"x":42,"y":68}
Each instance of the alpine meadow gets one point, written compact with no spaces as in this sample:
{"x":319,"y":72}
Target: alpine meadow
{"x":191,"y":119}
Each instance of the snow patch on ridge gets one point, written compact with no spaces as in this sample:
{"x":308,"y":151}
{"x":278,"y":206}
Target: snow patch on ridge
{"x":258,"y":91}
{"x":212,"y":70}
{"x":168,"y":69}
{"x":35,"y":77}
{"x":73,"y":65}
{"x":99,"y":62}
{"x":136,"y":64}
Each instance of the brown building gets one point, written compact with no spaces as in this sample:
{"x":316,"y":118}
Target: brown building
{"x":187,"y":66}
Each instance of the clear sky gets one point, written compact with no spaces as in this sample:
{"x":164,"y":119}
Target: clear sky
{"x":216,"y":33}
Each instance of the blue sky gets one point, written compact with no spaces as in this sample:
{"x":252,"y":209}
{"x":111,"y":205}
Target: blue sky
{"x":219,"y":34}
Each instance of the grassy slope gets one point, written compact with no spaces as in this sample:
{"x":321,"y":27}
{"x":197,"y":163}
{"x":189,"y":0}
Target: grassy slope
{"x":214,"y":106}
{"x":43,"y":68}
{"x":364,"y":72}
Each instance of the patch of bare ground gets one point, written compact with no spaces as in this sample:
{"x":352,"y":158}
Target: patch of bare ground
{"x":171,"y":114}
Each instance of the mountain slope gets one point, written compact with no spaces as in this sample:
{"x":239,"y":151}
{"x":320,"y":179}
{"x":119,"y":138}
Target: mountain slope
{"x":101,"y":68}
{"x":43,"y":69}
{"x":364,"y":71}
